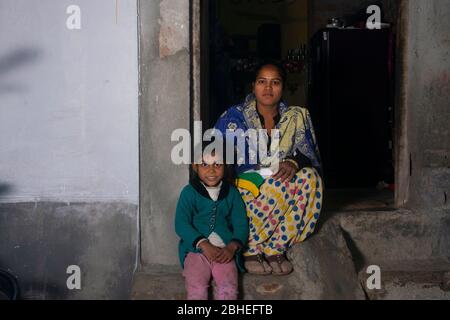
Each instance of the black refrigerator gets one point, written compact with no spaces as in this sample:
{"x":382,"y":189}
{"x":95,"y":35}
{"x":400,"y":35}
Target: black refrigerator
{"x":350,"y":101}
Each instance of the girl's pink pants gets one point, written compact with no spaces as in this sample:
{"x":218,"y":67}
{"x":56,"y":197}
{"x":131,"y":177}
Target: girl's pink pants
{"x":198,"y":271}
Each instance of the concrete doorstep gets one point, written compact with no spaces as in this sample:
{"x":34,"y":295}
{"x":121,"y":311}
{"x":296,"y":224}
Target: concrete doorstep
{"x":323,"y":269}
{"x":409,"y":251}
{"x":411,"y":280}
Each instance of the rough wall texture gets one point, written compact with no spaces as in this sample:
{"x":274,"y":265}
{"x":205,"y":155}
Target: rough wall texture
{"x":174,"y":27}
{"x":427,"y":103}
{"x":165,"y":105}
{"x":69,"y":146}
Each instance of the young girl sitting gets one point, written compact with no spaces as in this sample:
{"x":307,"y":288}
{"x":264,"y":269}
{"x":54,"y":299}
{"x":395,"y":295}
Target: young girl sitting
{"x":212,"y":223}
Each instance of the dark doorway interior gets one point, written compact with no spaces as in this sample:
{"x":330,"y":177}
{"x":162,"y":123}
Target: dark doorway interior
{"x":343,"y":75}
{"x":239,"y":35}
{"x":349,"y":95}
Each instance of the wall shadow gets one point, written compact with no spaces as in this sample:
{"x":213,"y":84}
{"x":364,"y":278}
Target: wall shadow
{"x":11,"y":62}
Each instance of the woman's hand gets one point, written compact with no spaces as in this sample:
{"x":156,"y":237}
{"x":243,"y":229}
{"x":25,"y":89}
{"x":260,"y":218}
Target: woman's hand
{"x":210,"y":251}
{"x":227,"y":254}
{"x":286,"y":171}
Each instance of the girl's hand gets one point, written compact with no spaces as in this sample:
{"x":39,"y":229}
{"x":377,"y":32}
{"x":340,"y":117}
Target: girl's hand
{"x":286,"y":171}
{"x":209,"y":251}
{"x":227,"y":254}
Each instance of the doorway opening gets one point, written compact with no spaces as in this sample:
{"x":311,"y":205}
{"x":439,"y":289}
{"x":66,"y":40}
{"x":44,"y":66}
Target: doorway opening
{"x":239,"y":35}
{"x":337,"y":68}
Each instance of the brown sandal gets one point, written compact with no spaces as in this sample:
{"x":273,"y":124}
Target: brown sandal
{"x":280,"y":265}
{"x":257,"y":265}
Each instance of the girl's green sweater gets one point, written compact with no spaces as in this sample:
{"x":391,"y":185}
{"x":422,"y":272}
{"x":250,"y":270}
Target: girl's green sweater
{"x":197,"y":216}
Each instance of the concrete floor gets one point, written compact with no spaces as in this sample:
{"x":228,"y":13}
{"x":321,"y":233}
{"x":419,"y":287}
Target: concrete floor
{"x":357,"y":199}
{"x":423,"y":284}
{"x":413,"y":280}
{"x":355,"y":230}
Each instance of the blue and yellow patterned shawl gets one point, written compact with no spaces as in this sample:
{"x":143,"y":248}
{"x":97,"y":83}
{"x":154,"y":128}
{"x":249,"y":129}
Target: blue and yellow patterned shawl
{"x":295,"y":127}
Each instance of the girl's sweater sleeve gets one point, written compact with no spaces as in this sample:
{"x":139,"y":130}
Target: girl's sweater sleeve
{"x":183,"y":219}
{"x":239,"y":218}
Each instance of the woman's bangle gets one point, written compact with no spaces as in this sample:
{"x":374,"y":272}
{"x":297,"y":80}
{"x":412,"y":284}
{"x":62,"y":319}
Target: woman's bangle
{"x":293,"y":162}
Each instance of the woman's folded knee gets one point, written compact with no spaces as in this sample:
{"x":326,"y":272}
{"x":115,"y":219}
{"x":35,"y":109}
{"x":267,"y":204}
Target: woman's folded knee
{"x":307,"y":171}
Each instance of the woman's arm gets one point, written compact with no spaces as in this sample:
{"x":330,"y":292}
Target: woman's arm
{"x":301,"y":160}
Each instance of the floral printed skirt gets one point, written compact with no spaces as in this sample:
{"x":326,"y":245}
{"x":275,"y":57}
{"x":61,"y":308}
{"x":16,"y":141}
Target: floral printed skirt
{"x":284,"y":213}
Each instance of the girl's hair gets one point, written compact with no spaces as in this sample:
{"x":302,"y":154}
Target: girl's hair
{"x":273,"y":63}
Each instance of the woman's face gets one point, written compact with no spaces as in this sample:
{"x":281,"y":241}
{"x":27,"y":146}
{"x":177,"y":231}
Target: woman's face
{"x":268,"y":86}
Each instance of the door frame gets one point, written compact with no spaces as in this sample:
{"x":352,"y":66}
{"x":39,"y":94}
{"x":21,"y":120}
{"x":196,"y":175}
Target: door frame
{"x":402,"y":156}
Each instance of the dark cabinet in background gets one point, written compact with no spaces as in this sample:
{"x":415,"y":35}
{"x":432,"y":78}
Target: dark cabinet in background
{"x":350,"y":103}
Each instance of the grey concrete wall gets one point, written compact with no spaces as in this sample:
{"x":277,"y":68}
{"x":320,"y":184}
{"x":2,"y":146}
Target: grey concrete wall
{"x":69,"y":166}
{"x":39,"y":240}
{"x":165,"y":105}
{"x":427,"y":103}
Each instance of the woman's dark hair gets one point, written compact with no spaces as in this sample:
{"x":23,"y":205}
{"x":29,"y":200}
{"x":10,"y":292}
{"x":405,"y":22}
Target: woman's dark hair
{"x":274,"y":63}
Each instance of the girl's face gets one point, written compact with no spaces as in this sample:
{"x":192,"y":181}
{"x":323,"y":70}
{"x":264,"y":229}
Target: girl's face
{"x":268,"y":86}
{"x":209,"y":171}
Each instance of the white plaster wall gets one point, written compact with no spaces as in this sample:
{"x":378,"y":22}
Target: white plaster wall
{"x":68,"y":101}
